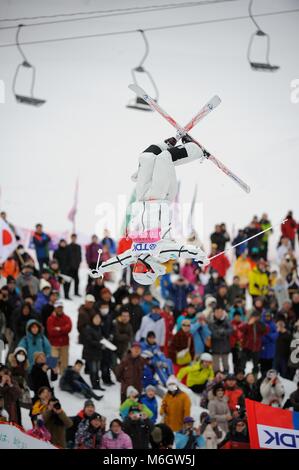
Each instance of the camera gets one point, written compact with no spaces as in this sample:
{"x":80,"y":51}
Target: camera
{"x":57,"y":405}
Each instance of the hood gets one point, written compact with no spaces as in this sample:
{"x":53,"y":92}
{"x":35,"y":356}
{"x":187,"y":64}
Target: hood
{"x":209,"y":301}
{"x":32,"y":322}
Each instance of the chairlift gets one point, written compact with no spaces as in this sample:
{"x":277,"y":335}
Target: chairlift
{"x":25,"y":99}
{"x":137,"y":102}
{"x":256,"y":37}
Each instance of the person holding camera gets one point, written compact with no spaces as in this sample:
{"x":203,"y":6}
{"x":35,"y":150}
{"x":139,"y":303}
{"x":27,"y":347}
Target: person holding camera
{"x":90,"y":432}
{"x":11,"y":392}
{"x":57,"y":422}
{"x":210,"y":431}
{"x":138,"y":428}
{"x":189,"y":437}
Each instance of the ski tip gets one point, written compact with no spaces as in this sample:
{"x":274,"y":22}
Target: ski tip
{"x":247,"y":189}
{"x":215,"y":101}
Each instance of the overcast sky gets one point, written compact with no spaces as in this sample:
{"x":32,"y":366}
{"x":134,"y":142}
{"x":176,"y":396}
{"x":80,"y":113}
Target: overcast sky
{"x":85,"y":128}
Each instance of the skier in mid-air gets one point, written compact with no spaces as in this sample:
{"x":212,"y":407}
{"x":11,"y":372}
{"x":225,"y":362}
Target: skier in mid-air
{"x":150,"y":228}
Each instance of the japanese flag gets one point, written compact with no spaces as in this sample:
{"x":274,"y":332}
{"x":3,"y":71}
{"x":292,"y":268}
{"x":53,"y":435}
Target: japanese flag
{"x":7,"y":241}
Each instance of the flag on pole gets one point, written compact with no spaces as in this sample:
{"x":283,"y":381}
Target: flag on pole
{"x":72,"y":214}
{"x":8,"y":241}
{"x":272,"y":428}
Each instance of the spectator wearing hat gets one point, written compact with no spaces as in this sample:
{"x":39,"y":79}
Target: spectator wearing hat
{"x":161,"y":364}
{"x":133,"y":399}
{"x":19,"y":365}
{"x":34,"y":341}
{"x":150,"y":401}
{"x":175,"y":406}
{"x":189,"y":437}
{"x":181,"y":349}
{"x":138,"y":428}
{"x":27,"y":283}
{"x":71,"y":381}
{"x":198,"y":373}
{"x":130,"y":370}
{"x":90,"y":433}
{"x":85,"y":312}
{"x":272,"y":388}
{"x":41,"y":243}
{"x":220,"y":338}
{"x":238,"y":436}
{"x":234,"y":394}
{"x":116,"y":438}
{"x":82,"y":416}
{"x":57,"y":422}
{"x":42,"y":298}
{"x":188,"y":314}
{"x":210,"y":431}
{"x":59,"y":325}
{"x":152,"y":322}
{"x":218,"y":407}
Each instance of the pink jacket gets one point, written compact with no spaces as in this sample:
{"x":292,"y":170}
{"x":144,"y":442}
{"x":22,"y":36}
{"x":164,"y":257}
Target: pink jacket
{"x":123,"y":441}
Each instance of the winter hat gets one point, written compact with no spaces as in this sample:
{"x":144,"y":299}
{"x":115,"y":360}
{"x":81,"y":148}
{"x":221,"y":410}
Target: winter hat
{"x":44,"y":284}
{"x":18,"y":350}
{"x":172,"y":380}
{"x":36,"y":354}
{"x":188,"y":419}
{"x":209,"y":301}
{"x":206,"y":357}
{"x":147,"y":355}
{"x":58,"y":303}
{"x":95,"y":416}
{"x":131,"y":390}
{"x":89,"y":298}
{"x":150,"y":387}
{"x":134,"y":409}
{"x":230,"y":377}
{"x":271,"y":373}
{"x":217,"y":387}
{"x":136,"y":345}
{"x":88,"y":403}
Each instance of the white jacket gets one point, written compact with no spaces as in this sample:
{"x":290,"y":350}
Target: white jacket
{"x":148,"y":324}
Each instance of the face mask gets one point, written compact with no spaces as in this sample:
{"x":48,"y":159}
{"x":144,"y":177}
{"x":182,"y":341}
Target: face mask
{"x":215,"y":276}
{"x":172,"y":388}
{"x":104,"y":311}
{"x":275,"y":405}
{"x":20,"y":357}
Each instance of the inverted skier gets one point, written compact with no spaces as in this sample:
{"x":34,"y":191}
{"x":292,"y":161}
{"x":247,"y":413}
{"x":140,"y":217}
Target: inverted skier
{"x":150,"y":226}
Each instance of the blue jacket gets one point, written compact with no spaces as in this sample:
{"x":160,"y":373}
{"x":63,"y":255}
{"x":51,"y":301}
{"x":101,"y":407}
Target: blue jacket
{"x":239,"y":310}
{"x":41,"y":301}
{"x":181,"y":318}
{"x":181,"y":440}
{"x":34,"y":343}
{"x":178,"y":295}
{"x":165,"y":283}
{"x":41,"y":245}
{"x":148,"y":376}
{"x":153,"y":348}
{"x":152,"y":404}
{"x":269,"y":340}
{"x":200,"y":334}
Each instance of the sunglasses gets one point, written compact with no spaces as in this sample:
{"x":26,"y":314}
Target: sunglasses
{"x":186,"y":326}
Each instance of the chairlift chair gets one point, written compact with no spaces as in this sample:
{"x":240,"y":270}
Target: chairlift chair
{"x":137,"y":102}
{"x":260,"y":66}
{"x":25,"y":99}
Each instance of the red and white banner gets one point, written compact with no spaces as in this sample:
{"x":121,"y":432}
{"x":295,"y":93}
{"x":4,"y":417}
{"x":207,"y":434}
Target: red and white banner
{"x":7,"y":241}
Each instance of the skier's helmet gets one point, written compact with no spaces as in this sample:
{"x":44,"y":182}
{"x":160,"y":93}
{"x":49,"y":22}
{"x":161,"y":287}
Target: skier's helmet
{"x":143,"y":273}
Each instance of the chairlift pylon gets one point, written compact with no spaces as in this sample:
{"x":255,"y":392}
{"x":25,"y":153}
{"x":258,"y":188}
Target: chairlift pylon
{"x":139,"y":103}
{"x":25,"y":99}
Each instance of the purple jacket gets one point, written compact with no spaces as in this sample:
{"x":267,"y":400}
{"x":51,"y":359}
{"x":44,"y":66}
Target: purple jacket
{"x":123,"y":441}
{"x":92,"y":253}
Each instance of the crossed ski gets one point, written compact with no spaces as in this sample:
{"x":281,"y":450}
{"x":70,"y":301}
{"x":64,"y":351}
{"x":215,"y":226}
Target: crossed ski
{"x":181,"y":131}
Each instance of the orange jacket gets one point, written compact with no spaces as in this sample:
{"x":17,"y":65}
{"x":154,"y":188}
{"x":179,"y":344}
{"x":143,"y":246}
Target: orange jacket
{"x":10,"y":268}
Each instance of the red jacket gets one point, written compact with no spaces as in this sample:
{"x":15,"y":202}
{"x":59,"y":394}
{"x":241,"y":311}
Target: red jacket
{"x":169,"y":324}
{"x":236,"y":336}
{"x":252,"y":335}
{"x":233,"y":395}
{"x":220,"y":264}
{"x":59,"y":337}
{"x":288,"y":229}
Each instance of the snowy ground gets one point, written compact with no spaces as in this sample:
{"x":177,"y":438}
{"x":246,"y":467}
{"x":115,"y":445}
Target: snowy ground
{"x":109,"y":405}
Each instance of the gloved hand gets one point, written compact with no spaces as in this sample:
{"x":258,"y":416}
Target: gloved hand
{"x":171,"y":142}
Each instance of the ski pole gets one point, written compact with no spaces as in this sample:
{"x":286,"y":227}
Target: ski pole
{"x":247,"y":239}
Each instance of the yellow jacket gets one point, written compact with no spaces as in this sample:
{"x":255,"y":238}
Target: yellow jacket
{"x":38,"y":408}
{"x":196,"y":374}
{"x":242,"y":268}
{"x":174,"y":409}
{"x":258,"y":282}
